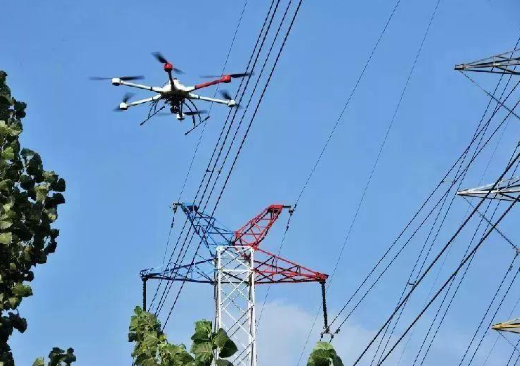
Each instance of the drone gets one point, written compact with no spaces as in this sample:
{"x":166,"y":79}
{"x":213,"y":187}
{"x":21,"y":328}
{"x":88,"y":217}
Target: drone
{"x":174,"y":95}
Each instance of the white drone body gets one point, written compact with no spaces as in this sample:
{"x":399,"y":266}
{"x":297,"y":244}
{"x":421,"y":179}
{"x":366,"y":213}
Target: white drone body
{"x":169,"y":91}
{"x":175,"y":95}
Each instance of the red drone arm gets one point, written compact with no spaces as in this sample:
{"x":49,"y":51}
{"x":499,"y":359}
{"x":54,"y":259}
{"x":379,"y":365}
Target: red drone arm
{"x":223,"y":79}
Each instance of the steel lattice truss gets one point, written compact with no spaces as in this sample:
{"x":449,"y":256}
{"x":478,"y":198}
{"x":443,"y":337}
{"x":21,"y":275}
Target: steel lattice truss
{"x":504,"y":63}
{"x":505,"y":190}
{"x":269,"y":267}
{"x":235,"y":300}
{"x":235,"y":264}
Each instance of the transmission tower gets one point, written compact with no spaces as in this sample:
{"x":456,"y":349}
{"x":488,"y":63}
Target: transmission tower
{"x":506,"y":189}
{"x":235,"y":264}
{"x":504,"y":63}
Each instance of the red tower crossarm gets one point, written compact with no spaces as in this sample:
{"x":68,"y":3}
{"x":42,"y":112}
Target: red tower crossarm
{"x":252,"y":233}
{"x":271,"y":268}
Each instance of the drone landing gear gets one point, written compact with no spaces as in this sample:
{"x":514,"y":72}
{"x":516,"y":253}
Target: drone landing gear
{"x":177,"y":110}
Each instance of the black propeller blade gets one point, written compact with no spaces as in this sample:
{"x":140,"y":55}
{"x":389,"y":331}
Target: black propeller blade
{"x":124,"y":78}
{"x":196,"y":113}
{"x":234,"y":76}
{"x":159,"y":57}
{"x":225,"y":94}
{"x":241,"y":75}
{"x":125,"y":99}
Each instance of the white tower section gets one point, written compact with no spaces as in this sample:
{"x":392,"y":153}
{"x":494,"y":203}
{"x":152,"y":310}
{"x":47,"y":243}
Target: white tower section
{"x":235,"y":300}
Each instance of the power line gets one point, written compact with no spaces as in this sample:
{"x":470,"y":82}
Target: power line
{"x":478,"y":133}
{"x":497,"y":309}
{"x":256,"y":51}
{"x":201,"y":135}
{"x":428,"y":269}
{"x":468,"y":247}
{"x":347,"y":103}
{"x":472,"y":253}
{"x":469,"y":244}
{"x":295,"y":14}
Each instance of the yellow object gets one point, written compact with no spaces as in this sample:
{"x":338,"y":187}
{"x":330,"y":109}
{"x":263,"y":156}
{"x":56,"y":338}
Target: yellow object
{"x":508,"y":326}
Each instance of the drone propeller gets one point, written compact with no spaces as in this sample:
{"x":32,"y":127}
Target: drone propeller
{"x":124,"y":78}
{"x":234,"y":76}
{"x":196,"y":113}
{"x":225,"y":94}
{"x":159,"y":57}
{"x":125,"y":99}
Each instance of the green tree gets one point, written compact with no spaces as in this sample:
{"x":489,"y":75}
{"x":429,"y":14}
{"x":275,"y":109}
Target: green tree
{"x":324,"y":355}
{"x":57,"y":357}
{"x":29,"y":198}
{"x":153,"y":349}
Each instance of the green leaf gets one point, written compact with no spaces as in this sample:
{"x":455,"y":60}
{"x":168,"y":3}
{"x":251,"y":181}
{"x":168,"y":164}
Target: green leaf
{"x":324,"y":346}
{"x":202,"y":331}
{"x":14,"y":301}
{"x":5,"y":100}
{"x":226,"y":346}
{"x":39,"y":362}
{"x":52,"y":214}
{"x":8,"y":154}
{"x":203,"y":352}
{"x":41,"y":192}
{"x":337,"y":361}
{"x":220,"y":338}
{"x":150,"y":340}
{"x":22,"y":290}
{"x":5,"y":224}
{"x":324,"y":355}
{"x":6,"y":238}
{"x":221,"y":362}
{"x":26,"y":182}
{"x":59,"y":185}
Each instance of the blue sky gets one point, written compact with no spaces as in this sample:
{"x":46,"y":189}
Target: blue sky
{"x":121,"y":177}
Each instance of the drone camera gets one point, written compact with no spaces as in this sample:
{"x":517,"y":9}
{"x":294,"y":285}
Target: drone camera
{"x":116,"y":81}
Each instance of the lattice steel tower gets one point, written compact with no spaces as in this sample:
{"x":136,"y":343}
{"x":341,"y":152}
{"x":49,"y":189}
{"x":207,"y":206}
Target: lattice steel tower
{"x":235,"y":264}
{"x":506,"y":189}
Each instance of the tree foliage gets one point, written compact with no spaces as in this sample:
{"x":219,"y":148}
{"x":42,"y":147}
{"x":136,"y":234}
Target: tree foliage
{"x":29,"y":198}
{"x":57,"y":357}
{"x":153,"y":349}
{"x":324,"y":355}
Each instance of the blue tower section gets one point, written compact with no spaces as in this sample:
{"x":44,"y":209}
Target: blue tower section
{"x":212,"y":234}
